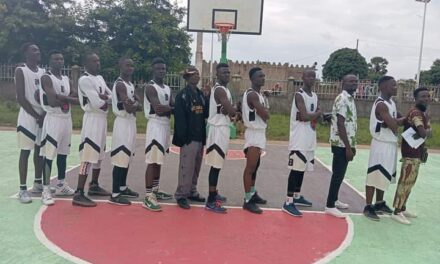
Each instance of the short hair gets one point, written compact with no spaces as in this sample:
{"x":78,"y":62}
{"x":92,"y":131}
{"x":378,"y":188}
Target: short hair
{"x":26,"y":46}
{"x":253,"y":71}
{"x":87,"y":55}
{"x":384,"y":79}
{"x":52,"y":52}
{"x":418,"y":90}
{"x":222,"y":65}
{"x":157,"y":60}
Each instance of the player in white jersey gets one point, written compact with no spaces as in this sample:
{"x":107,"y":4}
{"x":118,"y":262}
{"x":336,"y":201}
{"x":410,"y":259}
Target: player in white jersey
{"x":30,"y":118}
{"x":384,"y":121}
{"x":302,"y":142}
{"x":125,"y":103}
{"x":158,"y":105}
{"x":220,"y":111}
{"x":93,"y":96}
{"x":255,"y":116}
{"x":56,"y":97}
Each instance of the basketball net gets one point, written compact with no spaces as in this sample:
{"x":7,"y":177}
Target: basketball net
{"x":224,"y":29}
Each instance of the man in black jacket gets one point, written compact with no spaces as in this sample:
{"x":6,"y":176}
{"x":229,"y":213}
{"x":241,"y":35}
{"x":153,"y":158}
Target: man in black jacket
{"x":190,"y":111}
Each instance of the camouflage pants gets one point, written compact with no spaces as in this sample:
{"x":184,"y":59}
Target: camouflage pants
{"x":408,"y":177}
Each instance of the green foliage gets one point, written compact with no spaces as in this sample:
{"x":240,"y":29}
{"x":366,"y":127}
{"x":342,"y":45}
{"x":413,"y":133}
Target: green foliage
{"x":345,"y":61}
{"x":432,"y":76}
{"x":377,"y":68}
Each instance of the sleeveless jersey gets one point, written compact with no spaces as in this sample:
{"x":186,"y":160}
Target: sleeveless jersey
{"x":302,"y":134}
{"x":164,"y":96}
{"x":32,"y":84}
{"x":250,"y":117}
{"x":377,"y":131}
{"x":117,"y":104}
{"x":61,"y":87}
{"x":216,"y":118}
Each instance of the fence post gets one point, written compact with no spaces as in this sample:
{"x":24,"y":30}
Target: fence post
{"x":75,"y":74}
{"x":235,"y":87}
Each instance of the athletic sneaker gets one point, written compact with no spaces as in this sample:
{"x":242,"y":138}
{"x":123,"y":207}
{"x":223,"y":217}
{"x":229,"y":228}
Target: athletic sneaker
{"x":150,"y":202}
{"x":252,"y":207}
{"x":95,"y":189}
{"x":129,"y":193}
{"x":382,"y":208}
{"x":291,"y":210}
{"x":161,"y":195}
{"x":400,"y":218}
{"x":80,"y":199}
{"x":183,"y":203}
{"x":334,"y":212}
{"x":257,"y":199}
{"x":216,"y":207}
{"x":409,"y":214}
{"x":119,"y":200}
{"x":24,"y":196}
{"x":221,"y":198}
{"x":301,"y":201}
{"x":197,"y":198}
{"x":341,"y":205}
{"x":38,"y":188}
{"x":370,"y":213}
{"x":64,"y":190}
{"x":46,"y":197}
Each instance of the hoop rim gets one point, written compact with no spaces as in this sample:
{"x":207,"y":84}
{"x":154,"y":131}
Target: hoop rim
{"x":224,"y":27}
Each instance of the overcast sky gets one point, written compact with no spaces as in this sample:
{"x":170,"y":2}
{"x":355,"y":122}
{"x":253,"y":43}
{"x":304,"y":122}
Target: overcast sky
{"x":307,"y":31}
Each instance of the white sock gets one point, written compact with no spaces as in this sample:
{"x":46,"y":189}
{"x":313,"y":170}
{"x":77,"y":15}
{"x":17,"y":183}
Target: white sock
{"x":289,"y":200}
{"x":296,"y":195}
{"x":123,"y":188}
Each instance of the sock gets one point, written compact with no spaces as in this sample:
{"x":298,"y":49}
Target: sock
{"x":61,"y":165}
{"x":60,"y":182}
{"x":247,"y":196}
{"x":117,"y":172}
{"x":253,"y":190}
{"x":23,"y":187}
{"x":155,"y":185}
{"x":123,"y":188}
{"x":123,"y":178}
{"x":296,"y":195}
{"x":80,"y":190}
{"x":149,"y":191}
{"x":38,"y":180}
{"x":211,"y":196}
{"x":289,"y":200}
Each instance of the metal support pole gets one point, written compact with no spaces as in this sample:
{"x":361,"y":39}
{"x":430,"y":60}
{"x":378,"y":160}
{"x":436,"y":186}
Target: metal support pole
{"x":421,"y":44}
{"x":223,"y":58}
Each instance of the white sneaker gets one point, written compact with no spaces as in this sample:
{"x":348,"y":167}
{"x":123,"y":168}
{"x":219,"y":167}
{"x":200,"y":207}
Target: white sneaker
{"x":64,"y":190}
{"x":341,"y":205}
{"x":46,"y":197}
{"x":24,"y":196}
{"x":400,"y":218}
{"x":334,"y":212}
{"x":409,"y":214}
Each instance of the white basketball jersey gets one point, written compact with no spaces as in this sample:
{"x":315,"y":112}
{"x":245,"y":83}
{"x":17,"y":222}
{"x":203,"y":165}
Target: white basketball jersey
{"x":302,"y":134}
{"x":32,"y":84}
{"x":216,"y":118}
{"x":61,"y":87}
{"x":164,"y":96}
{"x":117,"y":104}
{"x":377,"y":131}
{"x":251,"y":119}
{"x":89,"y":87}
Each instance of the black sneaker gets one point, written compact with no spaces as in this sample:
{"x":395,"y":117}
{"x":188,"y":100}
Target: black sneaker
{"x":183,"y":203}
{"x":252,"y":207}
{"x":95,"y":189}
{"x":79,"y":199}
{"x":119,"y":200}
{"x":257,"y":199}
{"x":129,"y":193}
{"x":197,"y":198}
{"x":382,"y":208}
{"x":370,"y":213}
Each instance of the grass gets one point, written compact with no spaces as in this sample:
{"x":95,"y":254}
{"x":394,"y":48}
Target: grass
{"x":278,"y":127}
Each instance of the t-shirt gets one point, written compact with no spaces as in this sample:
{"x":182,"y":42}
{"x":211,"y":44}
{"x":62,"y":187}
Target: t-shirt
{"x":414,"y":119}
{"x":345,"y":106}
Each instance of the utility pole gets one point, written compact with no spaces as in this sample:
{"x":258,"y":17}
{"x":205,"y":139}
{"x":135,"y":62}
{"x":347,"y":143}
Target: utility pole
{"x":421,"y":42}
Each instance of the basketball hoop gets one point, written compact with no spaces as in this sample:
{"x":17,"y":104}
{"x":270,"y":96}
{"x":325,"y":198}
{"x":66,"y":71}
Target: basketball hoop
{"x":224,"y":29}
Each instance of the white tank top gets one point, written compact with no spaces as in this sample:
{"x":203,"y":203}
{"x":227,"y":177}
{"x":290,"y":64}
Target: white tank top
{"x":117,"y":104}
{"x":61,"y":87}
{"x":216,"y":118}
{"x":164,"y":96}
{"x":32,"y":84}
{"x":302,"y":135}
{"x":251,"y":119}
{"x":376,"y":130}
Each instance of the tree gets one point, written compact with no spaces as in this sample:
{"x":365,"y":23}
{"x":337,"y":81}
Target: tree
{"x":431,"y":76}
{"x":345,"y":61}
{"x":377,"y":68}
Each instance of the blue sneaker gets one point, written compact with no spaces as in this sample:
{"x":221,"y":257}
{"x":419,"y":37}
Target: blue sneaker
{"x":301,"y":201}
{"x":221,"y":198}
{"x":216,"y":207}
{"x":291,"y":210}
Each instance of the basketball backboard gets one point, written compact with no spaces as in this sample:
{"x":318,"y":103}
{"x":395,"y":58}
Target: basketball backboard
{"x":246,"y":15}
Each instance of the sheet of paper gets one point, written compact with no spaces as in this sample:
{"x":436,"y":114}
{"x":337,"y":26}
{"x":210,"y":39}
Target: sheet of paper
{"x":408,"y":135}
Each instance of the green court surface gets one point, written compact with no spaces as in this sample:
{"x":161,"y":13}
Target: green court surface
{"x":383,"y":242}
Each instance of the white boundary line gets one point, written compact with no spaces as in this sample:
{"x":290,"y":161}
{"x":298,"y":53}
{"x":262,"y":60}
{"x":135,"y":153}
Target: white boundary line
{"x":47,"y":243}
{"x":346,"y":182}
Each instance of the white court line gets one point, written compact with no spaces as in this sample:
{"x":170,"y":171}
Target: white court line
{"x":346,"y":182}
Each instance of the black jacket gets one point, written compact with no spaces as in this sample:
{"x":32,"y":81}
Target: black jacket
{"x":182,"y":115}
